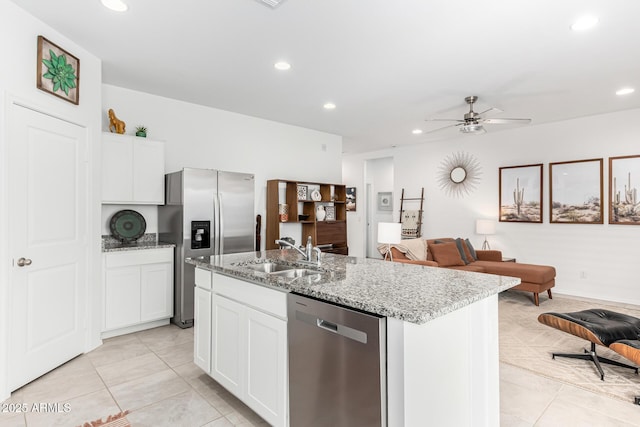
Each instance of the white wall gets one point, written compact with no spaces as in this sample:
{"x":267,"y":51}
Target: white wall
{"x":204,"y":137}
{"x":596,"y":261}
{"x":378,"y":178}
{"x":19,"y":32}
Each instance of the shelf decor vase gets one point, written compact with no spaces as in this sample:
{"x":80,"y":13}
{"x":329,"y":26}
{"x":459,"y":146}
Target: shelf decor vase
{"x":283,"y":211}
{"x":320,"y":213}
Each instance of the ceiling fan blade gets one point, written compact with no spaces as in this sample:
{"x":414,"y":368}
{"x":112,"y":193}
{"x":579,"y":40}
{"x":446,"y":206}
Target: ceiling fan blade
{"x":491,"y":110}
{"x":442,"y":128}
{"x":444,"y":120}
{"x":506,"y":121}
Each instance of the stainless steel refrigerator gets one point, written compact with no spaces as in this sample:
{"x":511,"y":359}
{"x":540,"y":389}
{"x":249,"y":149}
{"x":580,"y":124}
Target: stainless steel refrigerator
{"x":206,"y":212}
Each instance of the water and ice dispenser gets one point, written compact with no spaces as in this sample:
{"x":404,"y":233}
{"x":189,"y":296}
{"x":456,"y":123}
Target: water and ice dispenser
{"x":200,"y":234}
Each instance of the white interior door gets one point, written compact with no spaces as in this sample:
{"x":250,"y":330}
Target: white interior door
{"x":48,"y":242}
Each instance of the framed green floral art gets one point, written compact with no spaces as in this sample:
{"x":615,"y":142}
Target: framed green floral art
{"x":58,"y":72}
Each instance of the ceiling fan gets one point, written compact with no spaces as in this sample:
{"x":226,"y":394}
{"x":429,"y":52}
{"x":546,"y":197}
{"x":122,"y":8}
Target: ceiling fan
{"x":472,"y":121}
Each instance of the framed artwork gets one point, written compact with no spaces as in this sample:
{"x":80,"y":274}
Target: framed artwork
{"x":302,"y":192}
{"x":57,"y":71}
{"x":624,"y":179}
{"x":351,"y":199}
{"x":385,"y":201}
{"x":331,"y":213}
{"x":521,"y":193}
{"x":576,"y":192}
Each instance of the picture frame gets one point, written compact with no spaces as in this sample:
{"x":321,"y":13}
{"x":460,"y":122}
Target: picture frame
{"x":624,"y":179}
{"x":385,"y":201}
{"x":303,"y":192}
{"x":331,"y":213}
{"x":351,"y":199}
{"x":575,"y":192}
{"x":520,"y":190}
{"x":57,"y":71}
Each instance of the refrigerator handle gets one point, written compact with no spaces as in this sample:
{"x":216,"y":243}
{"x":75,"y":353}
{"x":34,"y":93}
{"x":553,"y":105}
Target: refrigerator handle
{"x":215,"y":226}
{"x":220,"y":226}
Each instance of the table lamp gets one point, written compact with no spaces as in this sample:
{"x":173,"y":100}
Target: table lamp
{"x":389,"y":233}
{"x":485,"y":227}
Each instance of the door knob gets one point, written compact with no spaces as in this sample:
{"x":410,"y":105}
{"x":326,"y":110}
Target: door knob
{"x":24,"y":262}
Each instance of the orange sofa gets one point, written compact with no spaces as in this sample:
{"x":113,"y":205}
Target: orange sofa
{"x":534,"y":278}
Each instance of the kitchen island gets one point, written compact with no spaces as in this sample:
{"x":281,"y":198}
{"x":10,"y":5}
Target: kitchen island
{"x":441,"y":328}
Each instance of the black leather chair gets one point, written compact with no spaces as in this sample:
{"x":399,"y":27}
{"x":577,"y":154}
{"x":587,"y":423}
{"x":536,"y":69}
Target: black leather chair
{"x":599,"y":326}
{"x":631,"y":350}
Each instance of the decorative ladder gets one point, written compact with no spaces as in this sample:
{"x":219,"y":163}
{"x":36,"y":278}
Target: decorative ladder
{"x":411,"y":232}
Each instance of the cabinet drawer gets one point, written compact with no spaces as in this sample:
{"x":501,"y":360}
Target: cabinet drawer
{"x":331,"y":232}
{"x":270,"y":301}
{"x":203,"y":278}
{"x":137,"y":257}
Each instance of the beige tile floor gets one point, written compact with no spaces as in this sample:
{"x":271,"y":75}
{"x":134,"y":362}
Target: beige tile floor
{"x":151,"y":374}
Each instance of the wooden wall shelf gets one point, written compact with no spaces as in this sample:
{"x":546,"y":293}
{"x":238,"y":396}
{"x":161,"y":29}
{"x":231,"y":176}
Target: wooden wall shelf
{"x":326,"y":232}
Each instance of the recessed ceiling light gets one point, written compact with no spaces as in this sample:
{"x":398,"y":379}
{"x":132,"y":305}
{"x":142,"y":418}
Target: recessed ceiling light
{"x":584,"y":23}
{"x":416,"y":131}
{"x":329,"y":106}
{"x":282,"y":66}
{"x":625,"y":91}
{"x":116,"y":5}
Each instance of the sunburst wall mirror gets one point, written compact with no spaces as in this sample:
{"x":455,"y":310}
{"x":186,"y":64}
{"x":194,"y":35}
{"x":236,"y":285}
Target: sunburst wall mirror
{"x":459,"y":174}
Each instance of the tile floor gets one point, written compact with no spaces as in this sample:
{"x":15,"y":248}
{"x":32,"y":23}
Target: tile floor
{"x":151,"y":374}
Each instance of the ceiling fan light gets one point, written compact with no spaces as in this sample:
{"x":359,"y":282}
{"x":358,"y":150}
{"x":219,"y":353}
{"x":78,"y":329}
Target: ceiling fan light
{"x":115,"y":5}
{"x":472,"y":128}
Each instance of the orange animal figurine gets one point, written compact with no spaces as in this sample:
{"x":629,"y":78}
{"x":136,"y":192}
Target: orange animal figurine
{"x":115,"y":125}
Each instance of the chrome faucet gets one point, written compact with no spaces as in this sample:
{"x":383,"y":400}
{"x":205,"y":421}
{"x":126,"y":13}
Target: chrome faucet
{"x":307,"y":254}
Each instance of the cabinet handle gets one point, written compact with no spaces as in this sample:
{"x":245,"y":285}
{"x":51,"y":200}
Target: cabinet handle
{"x":24,"y":262}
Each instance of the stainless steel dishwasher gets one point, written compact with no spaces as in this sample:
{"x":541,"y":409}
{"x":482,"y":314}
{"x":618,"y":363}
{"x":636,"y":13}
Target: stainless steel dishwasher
{"x":337,"y":365}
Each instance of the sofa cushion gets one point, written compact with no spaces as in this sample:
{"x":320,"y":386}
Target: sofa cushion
{"x":526,"y":272}
{"x":446,"y":254}
{"x":469,"y":267}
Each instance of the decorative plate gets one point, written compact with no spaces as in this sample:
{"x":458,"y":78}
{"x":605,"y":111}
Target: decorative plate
{"x":315,"y":196}
{"x":127,"y":225}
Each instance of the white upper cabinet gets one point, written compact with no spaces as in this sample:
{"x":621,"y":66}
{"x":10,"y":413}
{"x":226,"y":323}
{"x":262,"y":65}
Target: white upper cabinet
{"x":132,"y":170}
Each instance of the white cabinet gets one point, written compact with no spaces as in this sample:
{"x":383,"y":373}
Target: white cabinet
{"x":248,"y":343}
{"x":228,"y":346}
{"x":202,"y":329}
{"x":266,"y":365}
{"x":138,"y":289}
{"x":132,"y":170}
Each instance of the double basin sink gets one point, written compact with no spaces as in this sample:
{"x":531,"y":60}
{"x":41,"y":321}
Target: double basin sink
{"x":283,"y":270}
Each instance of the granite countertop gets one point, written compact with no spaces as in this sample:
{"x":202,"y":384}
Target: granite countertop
{"x":148,"y":241}
{"x":407,"y":292}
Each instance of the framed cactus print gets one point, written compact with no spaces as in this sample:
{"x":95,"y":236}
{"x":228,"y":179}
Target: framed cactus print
{"x":624,"y":182}
{"x":57,"y":71}
{"x":576,"y":192}
{"x":521,"y":193}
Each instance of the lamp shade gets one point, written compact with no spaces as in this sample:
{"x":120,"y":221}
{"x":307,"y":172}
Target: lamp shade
{"x":389,"y":232}
{"x":485,"y":226}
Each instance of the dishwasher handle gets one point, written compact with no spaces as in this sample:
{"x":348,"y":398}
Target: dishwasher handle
{"x":332,"y":327}
{"x":343,"y":330}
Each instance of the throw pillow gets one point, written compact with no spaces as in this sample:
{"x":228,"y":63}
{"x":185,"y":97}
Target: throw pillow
{"x":461,"y":245}
{"x":474,"y":255}
{"x":446,"y":254}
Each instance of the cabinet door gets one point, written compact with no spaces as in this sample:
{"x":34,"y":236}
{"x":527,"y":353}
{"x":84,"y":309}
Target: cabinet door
{"x":117,"y":168}
{"x":156,"y":291}
{"x":266,"y":340}
{"x":122,"y":297}
{"x":228,"y":350}
{"x":202,"y":329}
{"x":148,"y":171}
